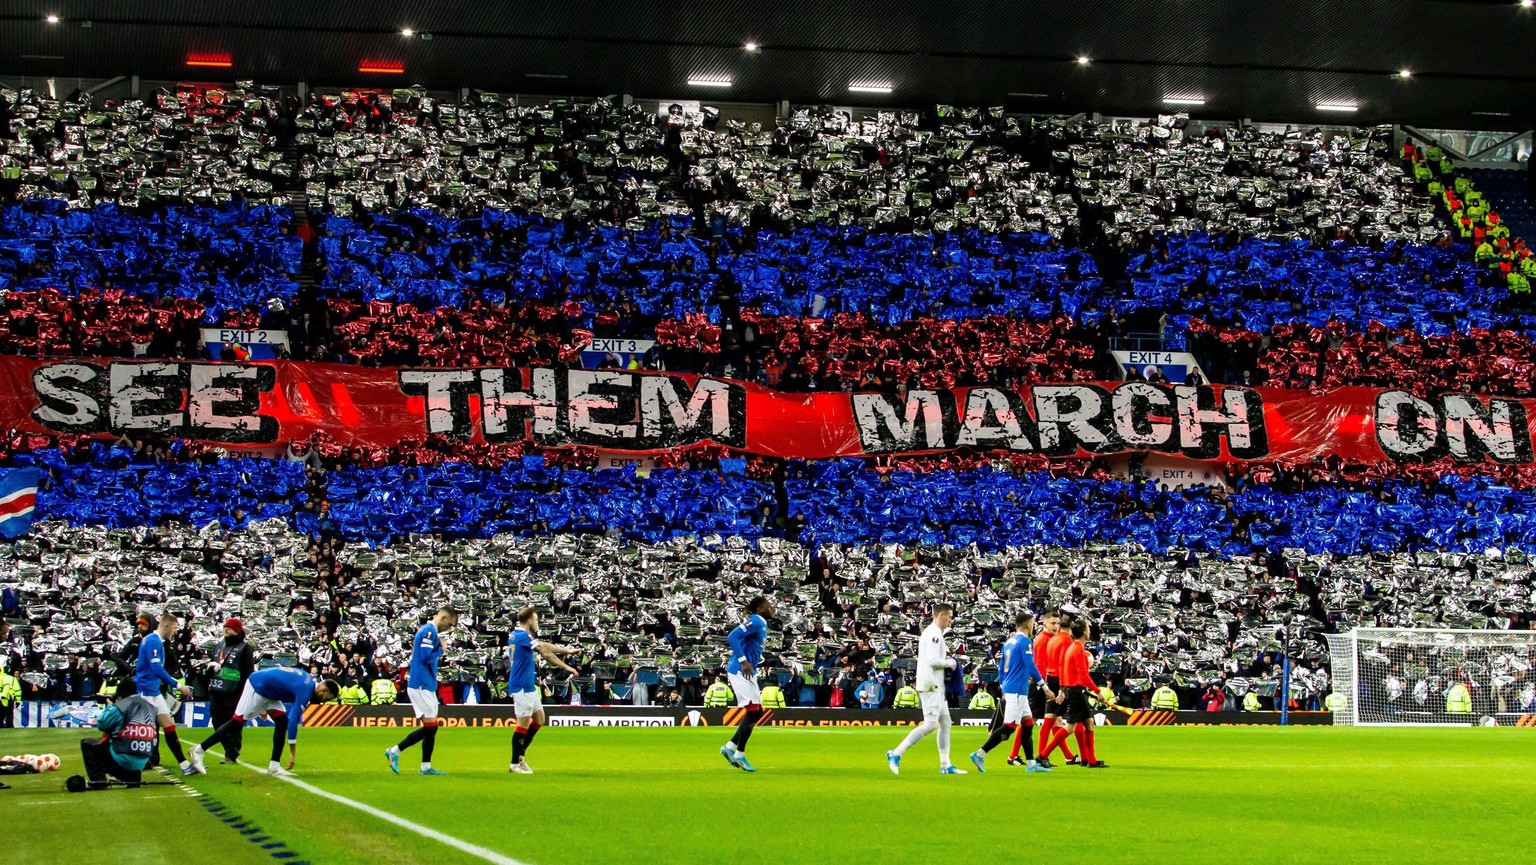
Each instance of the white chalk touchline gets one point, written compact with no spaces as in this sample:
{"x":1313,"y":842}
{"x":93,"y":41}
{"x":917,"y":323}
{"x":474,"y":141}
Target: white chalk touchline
{"x":424,"y":831}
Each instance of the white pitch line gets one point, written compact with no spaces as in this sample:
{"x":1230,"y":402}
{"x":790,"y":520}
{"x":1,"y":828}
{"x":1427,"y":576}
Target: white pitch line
{"x":424,"y":831}
{"x":67,"y":801}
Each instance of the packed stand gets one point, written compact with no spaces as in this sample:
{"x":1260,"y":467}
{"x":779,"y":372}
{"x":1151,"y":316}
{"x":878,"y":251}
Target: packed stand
{"x":190,"y":145}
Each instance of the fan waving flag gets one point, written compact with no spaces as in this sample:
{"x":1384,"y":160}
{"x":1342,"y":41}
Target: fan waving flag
{"x":18,"y":499}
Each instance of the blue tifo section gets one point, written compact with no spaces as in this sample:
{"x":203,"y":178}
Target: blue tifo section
{"x":226,"y":257}
{"x":841,"y":501}
{"x":892,"y":277}
{"x":1260,"y":283}
{"x":234,"y":257}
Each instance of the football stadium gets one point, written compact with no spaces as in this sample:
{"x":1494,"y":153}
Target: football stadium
{"x":551,"y":433}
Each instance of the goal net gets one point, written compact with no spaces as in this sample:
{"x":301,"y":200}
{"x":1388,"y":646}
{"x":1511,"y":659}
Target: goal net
{"x":1400,"y":676}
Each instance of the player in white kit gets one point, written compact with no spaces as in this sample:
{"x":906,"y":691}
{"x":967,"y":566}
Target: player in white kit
{"x":932,"y":661}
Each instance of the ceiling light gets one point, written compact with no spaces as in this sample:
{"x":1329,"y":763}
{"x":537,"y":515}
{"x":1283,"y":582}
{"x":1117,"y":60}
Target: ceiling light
{"x":1405,"y":73}
{"x":1083,"y":60}
{"x":709,"y":82}
{"x":1030,"y":95}
{"x":406,"y":31}
{"x":1184,"y":100}
{"x":381,"y":67}
{"x":750,"y":46}
{"x":1492,"y":113}
{"x":1337,"y":106}
{"x":52,"y":19}
{"x":869,"y":88}
{"x":1528,"y":3}
{"x":556,"y":76}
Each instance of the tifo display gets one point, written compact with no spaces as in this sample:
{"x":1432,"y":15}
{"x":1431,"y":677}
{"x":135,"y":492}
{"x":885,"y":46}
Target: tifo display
{"x":367,"y":408}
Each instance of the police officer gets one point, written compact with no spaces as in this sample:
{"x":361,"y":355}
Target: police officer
{"x":906,"y":698}
{"x":982,"y":700}
{"x":10,"y":695}
{"x":384,"y":691}
{"x":234,"y":662}
{"x":1458,"y":700}
{"x":773,"y":697}
{"x":353,"y":695}
{"x":1165,"y":698}
{"x":1251,"y":702}
{"x":1336,"y":702}
{"x":718,"y":695}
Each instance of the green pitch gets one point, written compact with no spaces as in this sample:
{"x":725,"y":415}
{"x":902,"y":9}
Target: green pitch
{"x":605,"y":795}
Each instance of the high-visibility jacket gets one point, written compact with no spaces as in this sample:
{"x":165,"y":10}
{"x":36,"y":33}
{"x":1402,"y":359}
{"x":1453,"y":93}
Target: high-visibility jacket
{"x":719,"y":694}
{"x":10,"y":689}
{"x":1165,"y":698}
{"x":1458,"y":701}
{"x":354,"y":695}
{"x":773,"y":697}
{"x":1251,"y":702}
{"x":906,"y":698}
{"x":384,"y":692}
{"x":1336,"y":702}
{"x":983,"y":700}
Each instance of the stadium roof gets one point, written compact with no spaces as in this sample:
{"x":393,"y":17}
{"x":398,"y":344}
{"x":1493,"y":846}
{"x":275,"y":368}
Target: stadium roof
{"x":1471,"y":62}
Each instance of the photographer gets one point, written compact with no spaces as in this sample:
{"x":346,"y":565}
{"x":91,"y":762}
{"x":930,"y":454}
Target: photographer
{"x":129,"y":735}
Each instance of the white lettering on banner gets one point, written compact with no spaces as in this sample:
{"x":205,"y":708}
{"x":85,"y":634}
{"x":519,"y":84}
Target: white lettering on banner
{"x":212,"y":401}
{"x":610,"y":721}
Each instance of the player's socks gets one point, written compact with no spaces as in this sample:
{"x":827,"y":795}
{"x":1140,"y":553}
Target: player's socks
{"x":1080,"y":733}
{"x":519,"y":743}
{"x":1026,"y":739}
{"x":1020,"y":733}
{"x":999,"y":735}
{"x":173,"y":742}
{"x":744,"y":729}
{"x":1058,"y":740}
{"x":428,"y":742}
{"x":1090,"y":754}
{"x":279,"y":728}
{"x":1045,"y":733}
{"x":944,"y":726}
{"x":533,"y":730}
{"x":411,"y":738}
{"x":222,"y":733}
{"x":917,"y":734}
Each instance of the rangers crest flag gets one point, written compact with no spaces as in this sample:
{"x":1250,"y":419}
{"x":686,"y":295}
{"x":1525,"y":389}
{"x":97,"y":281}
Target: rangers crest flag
{"x":18,"y":499}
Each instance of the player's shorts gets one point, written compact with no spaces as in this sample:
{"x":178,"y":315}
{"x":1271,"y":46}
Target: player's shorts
{"x":747,"y":691}
{"x":158,"y":701}
{"x":526,"y":704}
{"x":423,"y":702}
{"x":254,"y":705}
{"x":1037,"y":706}
{"x":1076,"y":709}
{"x":1045,"y":706}
{"x":934,"y":705}
{"x":1015,"y":708}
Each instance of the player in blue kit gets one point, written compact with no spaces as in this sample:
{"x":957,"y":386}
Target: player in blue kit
{"x":1015,"y":671}
{"x":280,"y":694}
{"x":421,"y":689}
{"x":523,"y":684}
{"x":746,"y":642}
{"x":150,"y":676}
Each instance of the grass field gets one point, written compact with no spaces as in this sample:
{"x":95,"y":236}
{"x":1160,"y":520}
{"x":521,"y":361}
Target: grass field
{"x":607,"y":795}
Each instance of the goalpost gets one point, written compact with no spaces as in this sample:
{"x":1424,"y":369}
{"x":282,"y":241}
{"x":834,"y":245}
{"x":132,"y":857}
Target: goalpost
{"x":1411,"y":676}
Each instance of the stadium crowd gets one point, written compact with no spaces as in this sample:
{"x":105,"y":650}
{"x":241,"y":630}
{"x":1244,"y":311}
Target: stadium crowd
{"x":898,"y":251}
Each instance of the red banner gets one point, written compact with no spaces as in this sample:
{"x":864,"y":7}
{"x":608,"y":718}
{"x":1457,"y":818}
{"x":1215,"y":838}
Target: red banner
{"x":258,"y":404}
